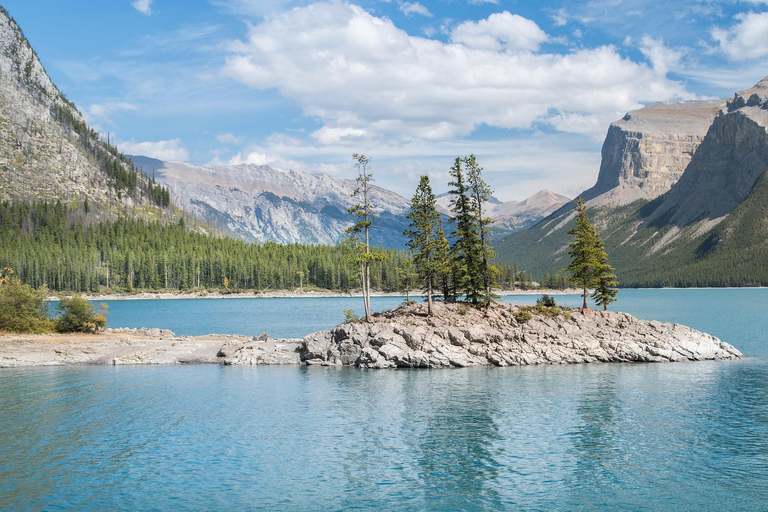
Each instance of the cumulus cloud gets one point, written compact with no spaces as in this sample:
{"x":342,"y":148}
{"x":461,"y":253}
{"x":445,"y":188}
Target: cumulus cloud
{"x":168,"y":150}
{"x":357,"y":72}
{"x":143,"y":6}
{"x":501,"y":31}
{"x":745,"y":40}
{"x":410,"y":8}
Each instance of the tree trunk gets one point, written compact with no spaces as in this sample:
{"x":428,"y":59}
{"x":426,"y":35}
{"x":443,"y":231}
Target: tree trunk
{"x":429,"y":296}
{"x":584,"y":306}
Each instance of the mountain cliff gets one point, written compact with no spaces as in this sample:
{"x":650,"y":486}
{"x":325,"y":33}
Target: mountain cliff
{"x":705,"y":226}
{"x":47,"y":152}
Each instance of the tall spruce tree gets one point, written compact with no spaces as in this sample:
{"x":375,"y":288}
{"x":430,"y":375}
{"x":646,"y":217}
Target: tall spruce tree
{"x":589,"y":261}
{"x":605,"y":283}
{"x":480,"y":193}
{"x":466,"y":251}
{"x":358,"y":233}
{"x":426,"y":239}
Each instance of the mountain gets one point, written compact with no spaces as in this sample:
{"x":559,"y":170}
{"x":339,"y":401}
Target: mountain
{"x":680,"y":199}
{"x":47,"y":152}
{"x":511,"y":216}
{"x":257,"y":203}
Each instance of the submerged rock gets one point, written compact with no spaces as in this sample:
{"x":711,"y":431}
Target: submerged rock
{"x":457,"y":337}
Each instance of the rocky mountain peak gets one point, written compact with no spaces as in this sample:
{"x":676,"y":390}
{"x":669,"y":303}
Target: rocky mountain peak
{"x":756,"y":96}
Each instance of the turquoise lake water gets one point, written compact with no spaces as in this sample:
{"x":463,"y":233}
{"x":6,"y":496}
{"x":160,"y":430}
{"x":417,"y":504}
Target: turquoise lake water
{"x":682,"y":436}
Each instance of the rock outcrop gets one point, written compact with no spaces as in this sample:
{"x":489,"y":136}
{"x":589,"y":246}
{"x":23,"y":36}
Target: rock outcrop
{"x":457,"y":337}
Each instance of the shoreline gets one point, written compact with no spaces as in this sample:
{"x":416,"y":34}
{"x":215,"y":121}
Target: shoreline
{"x":294,"y":294}
{"x":504,"y":335}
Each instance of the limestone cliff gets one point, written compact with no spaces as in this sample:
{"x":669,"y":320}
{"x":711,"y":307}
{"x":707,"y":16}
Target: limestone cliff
{"x":646,"y":151}
{"x":732,"y":155}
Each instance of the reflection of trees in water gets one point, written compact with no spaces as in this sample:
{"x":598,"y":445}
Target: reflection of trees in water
{"x":737,"y":405}
{"x":594,"y":438}
{"x":458,"y":439}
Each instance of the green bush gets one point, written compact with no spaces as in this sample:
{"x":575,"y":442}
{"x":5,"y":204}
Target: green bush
{"x":547,"y":301}
{"x":522,"y":316}
{"x":350,"y":316}
{"x":22,"y":308}
{"x":77,"y":315}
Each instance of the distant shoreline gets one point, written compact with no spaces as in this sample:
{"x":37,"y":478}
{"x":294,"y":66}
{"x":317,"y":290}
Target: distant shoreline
{"x":294,"y":294}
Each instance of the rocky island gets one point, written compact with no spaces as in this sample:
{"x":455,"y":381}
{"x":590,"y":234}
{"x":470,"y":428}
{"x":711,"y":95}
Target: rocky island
{"x":457,"y":336}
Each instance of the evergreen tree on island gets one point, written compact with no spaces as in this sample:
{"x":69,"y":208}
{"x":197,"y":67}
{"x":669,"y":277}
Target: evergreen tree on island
{"x":606,"y":282}
{"x":359,"y":231}
{"x":472,"y":251}
{"x":589,"y":261}
{"x":426,"y":239}
{"x":480,"y":193}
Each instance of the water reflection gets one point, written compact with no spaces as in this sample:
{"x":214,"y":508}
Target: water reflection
{"x":458,"y":447}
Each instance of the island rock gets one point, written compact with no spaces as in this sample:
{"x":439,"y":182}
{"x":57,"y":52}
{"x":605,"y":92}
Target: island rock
{"x":458,"y":336}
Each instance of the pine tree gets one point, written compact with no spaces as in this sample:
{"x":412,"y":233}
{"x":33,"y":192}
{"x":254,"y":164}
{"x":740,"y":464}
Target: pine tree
{"x":359,"y":236}
{"x":465,"y":252}
{"x":426,"y":239}
{"x":589,"y":261}
{"x":480,"y":193}
{"x":605,"y":281}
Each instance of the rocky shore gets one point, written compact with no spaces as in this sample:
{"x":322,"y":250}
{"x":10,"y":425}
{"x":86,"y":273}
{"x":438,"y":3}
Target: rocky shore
{"x":457,"y":336}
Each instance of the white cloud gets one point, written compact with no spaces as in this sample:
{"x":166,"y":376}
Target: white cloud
{"x":229,"y":138}
{"x":346,"y":135}
{"x":100,"y":112}
{"x":501,"y":31}
{"x":356,"y":71}
{"x":143,"y":6}
{"x":745,"y":40}
{"x":410,"y":8}
{"x":168,"y":150}
{"x":559,"y":17}
{"x":662,"y":59}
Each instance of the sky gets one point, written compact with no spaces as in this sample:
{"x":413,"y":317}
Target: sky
{"x":529,"y":87}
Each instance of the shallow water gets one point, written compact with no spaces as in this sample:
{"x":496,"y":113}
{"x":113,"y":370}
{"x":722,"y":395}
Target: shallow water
{"x":686,"y":436}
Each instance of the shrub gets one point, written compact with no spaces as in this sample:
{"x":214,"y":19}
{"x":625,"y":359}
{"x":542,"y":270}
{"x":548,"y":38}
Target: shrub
{"x":22,"y":308}
{"x":522,"y":316}
{"x":350,"y":316}
{"x":547,"y":301}
{"x":77,"y":315}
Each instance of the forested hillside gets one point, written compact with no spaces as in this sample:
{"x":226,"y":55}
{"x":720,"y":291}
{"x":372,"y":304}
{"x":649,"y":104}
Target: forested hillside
{"x":55,"y":245}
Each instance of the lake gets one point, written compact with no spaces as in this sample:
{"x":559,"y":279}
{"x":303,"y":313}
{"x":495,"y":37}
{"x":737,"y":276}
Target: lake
{"x":682,"y":436}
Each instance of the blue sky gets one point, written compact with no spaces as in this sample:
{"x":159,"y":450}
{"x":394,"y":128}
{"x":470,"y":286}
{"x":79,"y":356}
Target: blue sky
{"x":529,"y":87}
